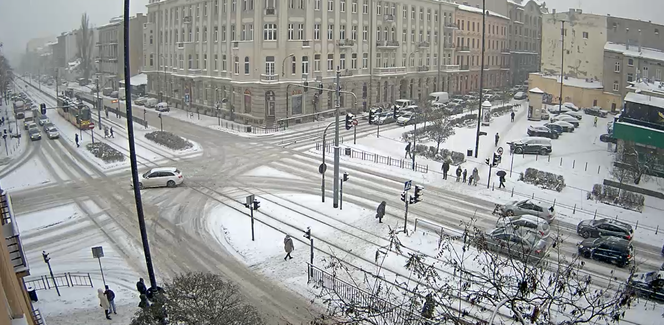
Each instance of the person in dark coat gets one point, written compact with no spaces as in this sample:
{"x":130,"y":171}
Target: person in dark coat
{"x":380,"y":211}
{"x":512,"y":116}
{"x":458,"y":174}
{"x":140,"y":286}
{"x":476,"y":176}
{"x":501,"y":178}
{"x":465,"y":173}
{"x":446,"y":168}
{"x":497,"y":137}
{"x":76,"y":139}
{"x":144,"y":302}
{"x":110,"y":295}
{"x":407,"y":150}
{"x":112,"y":136}
{"x":288,"y":247}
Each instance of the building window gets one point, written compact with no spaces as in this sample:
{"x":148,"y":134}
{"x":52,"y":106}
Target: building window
{"x":317,"y":5}
{"x":270,"y":32}
{"x":353,"y":33}
{"x":585,"y":35}
{"x":291,"y":31}
{"x":305,"y":65}
{"x":223,"y":33}
{"x":365,"y":60}
{"x":615,"y":86}
{"x":232,"y":32}
{"x":246,"y":65}
{"x":353,"y":61}
{"x":317,"y":62}
{"x":236,"y":65}
{"x":151,"y":59}
{"x":342,"y":61}
{"x":300,"y":31}
{"x":616,"y":67}
{"x":342,"y":32}
{"x":204,"y":61}
{"x":269,"y":66}
{"x":190,"y":62}
{"x":330,"y":62}
{"x":317,"y":31}
{"x":293,"y":65}
{"x":216,"y":62}
{"x":353,"y":6}
{"x":630,"y":62}
{"x":216,"y":33}
{"x":223,"y":63}
{"x":365,"y":33}
{"x":630,"y":77}
{"x":330,"y":5}
{"x":330,"y":32}
{"x":365,"y":7}
{"x":342,"y":5}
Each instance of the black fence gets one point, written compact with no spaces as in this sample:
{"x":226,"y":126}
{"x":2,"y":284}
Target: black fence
{"x":369,"y":156}
{"x":45,"y":282}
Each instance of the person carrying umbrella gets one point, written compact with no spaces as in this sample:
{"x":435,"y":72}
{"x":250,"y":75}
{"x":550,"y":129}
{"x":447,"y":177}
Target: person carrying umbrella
{"x":501,"y":176}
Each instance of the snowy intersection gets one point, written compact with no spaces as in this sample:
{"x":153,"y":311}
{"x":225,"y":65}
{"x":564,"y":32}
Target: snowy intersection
{"x":203,"y":225}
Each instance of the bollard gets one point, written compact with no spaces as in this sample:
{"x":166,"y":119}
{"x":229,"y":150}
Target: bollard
{"x":637,"y":225}
{"x":512,"y":191}
{"x":561,"y":161}
{"x":598,"y":168}
{"x":586,"y":166}
{"x":574,"y":209}
{"x":554,"y":203}
{"x":657,"y":230}
{"x":573,"y":163}
{"x":533,"y":196}
{"x":493,"y":186}
{"x":548,"y":159}
{"x":595,"y":216}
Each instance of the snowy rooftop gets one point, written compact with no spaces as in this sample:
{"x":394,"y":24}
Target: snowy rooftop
{"x":137,"y":80}
{"x":576,"y":82}
{"x":656,"y":87}
{"x":633,"y":51}
{"x":645,"y":99}
{"x":536,"y":91}
{"x":478,"y":10}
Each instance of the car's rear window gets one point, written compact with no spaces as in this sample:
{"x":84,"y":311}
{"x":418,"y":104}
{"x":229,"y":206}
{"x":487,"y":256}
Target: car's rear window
{"x":177,"y":171}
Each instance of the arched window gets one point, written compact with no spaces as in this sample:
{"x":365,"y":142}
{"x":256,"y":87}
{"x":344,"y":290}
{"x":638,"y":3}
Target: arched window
{"x":270,"y":103}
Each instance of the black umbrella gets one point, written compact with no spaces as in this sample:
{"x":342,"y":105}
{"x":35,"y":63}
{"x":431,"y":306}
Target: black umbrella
{"x":501,"y":173}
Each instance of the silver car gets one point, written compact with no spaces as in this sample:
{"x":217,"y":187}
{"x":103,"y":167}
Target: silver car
{"x":518,"y":208}
{"x":523,"y":245}
{"x":526,"y":222}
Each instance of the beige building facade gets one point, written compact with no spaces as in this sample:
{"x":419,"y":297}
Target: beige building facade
{"x":248,"y":60}
{"x":110,"y":49}
{"x":585,"y":36}
{"x":468,"y":50}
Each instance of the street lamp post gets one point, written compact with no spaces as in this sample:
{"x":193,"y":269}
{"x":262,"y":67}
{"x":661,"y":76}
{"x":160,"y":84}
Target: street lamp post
{"x":479,"y":113}
{"x":562,"y":66}
{"x":335,"y":197}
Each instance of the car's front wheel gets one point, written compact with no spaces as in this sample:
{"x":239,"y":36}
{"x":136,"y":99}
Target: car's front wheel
{"x":544,"y":152}
{"x":518,"y":150}
{"x":585,"y":234}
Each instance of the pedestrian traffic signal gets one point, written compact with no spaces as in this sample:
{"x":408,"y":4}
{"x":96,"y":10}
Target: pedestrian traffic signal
{"x":496,"y":159}
{"x":349,"y":121}
{"x":320,"y":88}
{"x":394,"y":113}
{"x":257,"y":204}
{"x":403,"y":196}
{"x":488,"y":162}
{"x":42,"y":107}
{"x":307,"y":233}
{"x":306,"y":86}
{"x":45,"y":256}
{"x":345,"y":177}
{"x":418,"y":194}
{"x":371,"y":115}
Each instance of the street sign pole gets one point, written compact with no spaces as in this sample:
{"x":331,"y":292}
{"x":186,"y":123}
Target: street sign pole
{"x":98,"y":253}
{"x":250,"y":205}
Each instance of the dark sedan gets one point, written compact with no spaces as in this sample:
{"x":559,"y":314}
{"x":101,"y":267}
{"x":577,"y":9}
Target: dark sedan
{"x":541,"y":131}
{"x":603,"y":228}
{"x":555,"y":128}
{"x":612,"y":250}
{"x":595,"y":111}
{"x":648,"y":285}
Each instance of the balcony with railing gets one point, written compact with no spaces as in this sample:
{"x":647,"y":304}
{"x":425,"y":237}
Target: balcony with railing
{"x":463,"y":67}
{"x":269,"y":77}
{"x":186,"y":20}
{"x":306,"y":43}
{"x":270,"y":11}
{"x":422,"y":69}
{"x":449,"y":46}
{"x":423,"y":44}
{"x":346,"y":73}
{"x":463,"y":48}
{"x":449,"y":67}
{"x":387,"y":44}
{"x":12,"y":236}
{"x":345,"y":43}
{"x":451,"y":25}
{"x":390,"y":70}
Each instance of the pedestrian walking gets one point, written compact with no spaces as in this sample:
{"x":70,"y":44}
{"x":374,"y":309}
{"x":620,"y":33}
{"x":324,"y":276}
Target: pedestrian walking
{"x":458,"y":174}
{"x":595,"y":122}
{"x":140,"y":286}
{"x":470,"y":180}
{"x":476,"y":176}
{"x":512,"y":116}
{"x":288,"y":247}
{"x":465,"y":173}
{"x":446,"y":168}
{"x":497,"y":138}
{"x":502,"y":181}
{"x":76,"y":139}
{"x":110,"y":295}
{"x":103,"y":302}
{"x":112,"y":136}
{"x":380,"y":211}
{"x":407,"y":150}
{"x":105,"y":132}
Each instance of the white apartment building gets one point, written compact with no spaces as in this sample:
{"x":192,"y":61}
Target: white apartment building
{"x":253,"y":54}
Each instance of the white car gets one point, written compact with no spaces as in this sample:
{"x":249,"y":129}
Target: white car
{"x":160,"y":177}
{"x":528,"y":223}
{"x":574,"y":114}
{"x":52,"y":132}
{"x":404,"y":119}
{"x":566,"y":118}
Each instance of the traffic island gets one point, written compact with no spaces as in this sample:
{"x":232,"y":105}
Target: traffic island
{"x":105,"y":152}
{"x":169,"y":140}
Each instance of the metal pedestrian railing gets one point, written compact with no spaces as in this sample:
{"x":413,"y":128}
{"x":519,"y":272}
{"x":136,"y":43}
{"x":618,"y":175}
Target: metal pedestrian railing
{"x":369,"y":156}
{"x":45,"y":282}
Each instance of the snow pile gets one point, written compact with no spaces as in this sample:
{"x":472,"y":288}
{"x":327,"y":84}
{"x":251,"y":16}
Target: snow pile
{"x":169,"y":140}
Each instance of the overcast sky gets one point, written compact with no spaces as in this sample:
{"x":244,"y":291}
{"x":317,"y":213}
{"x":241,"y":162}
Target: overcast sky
{"x":22,"y":20}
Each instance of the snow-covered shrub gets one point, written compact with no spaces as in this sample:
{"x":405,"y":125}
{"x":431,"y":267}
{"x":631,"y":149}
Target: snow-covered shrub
{"x":105,"y":152}
{"x":501,"y":110}
{"x":614,"y":196}
{"x":543,"y":179}
{"x":169,"y":140}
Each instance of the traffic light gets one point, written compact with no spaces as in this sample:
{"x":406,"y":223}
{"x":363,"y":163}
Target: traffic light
{"x":482,"y":133}
{"x":496,"y":159}
{"x":418,"y":194}
{"x":320,"y":88}
{"x":371,"y":115}
{"x":42,"y":107}
{"x":306,"y":86}
{"x":349,"y":121}
{"x":403,"y":196}
{"x":257,"y":204}
{"x":488,"y":162}
{"x":395,"y":112}
{"x":307,"y":233}
{"x":345,"y":177}
{"x":45,"y":256}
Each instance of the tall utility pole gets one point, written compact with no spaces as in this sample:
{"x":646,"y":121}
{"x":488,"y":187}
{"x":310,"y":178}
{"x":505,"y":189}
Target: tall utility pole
{"x":335,"y":197}
{"x":562,"y":66}
{"x":132,"y":152}
{"x":479,"y":114}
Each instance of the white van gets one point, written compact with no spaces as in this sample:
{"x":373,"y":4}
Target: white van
{"x":440,"y":97}
{"x":404,"y":103}
{"x":121,"y":93}
{"x":151,"y":102}
{"x":162,"y":107}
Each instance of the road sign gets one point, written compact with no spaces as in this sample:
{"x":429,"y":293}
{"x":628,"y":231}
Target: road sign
{"x":186,"y":98}
{"x":407,"y":185}
{"x":97,"y":252}
{"x":250,"y":200}
{"x":91,"y":126}
{"x":322,"y":168}
{"x":500,"y":151}
{"x":355,"y":122}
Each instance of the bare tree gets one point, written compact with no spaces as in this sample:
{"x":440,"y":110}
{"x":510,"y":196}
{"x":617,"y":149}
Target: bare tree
{"x":6,"y":74}
{"x":632,"y":164}
{"x":466,"y":282}
{"x":202,"y":299}
{"x":84,"y":43}
{"x":439,"y":131}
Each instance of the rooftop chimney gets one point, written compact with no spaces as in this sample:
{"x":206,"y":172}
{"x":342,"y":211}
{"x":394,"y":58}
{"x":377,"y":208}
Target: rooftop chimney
{"x":627,"y":38}
{"x":639,"y":40}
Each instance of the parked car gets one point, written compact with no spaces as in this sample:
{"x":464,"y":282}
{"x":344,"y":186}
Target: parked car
{"x":555,"y":128}
{"x":526,"y":222}
{"x":542,"y":131}
{"x":404,"y":103}
{"x":518,"y":208}
{"x":34,"y":134}
{"x":160,"y":177}
{"x":384,"y":118}
{"x":566,"y":118}
{"x":595,"y":111}
{"x":571,"y":106}
{"x":43,"y":119}
{"x":558,"y":109}
{"x":648,"y":285}
{"x":567,"y":127}
{"x":524,"y":245}
{"x":20,"y":115}
{"x":405,"y":119}
{"x":544,"y":115}
{"x":140,"y":101}
{"x":604,"y":227}
{"x":151,"y":102}
{"x":574,"y":114}
{"x":612,"y":250}
{"x":408,"y":110}
{"x":162,"y":107}
{"x":534,"y":145}
{"x":520,"y":95}
{"x":52,"y":132}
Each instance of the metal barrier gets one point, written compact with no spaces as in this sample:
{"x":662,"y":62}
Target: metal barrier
{"x":37,"y":317}
{"x":62,"y":280}
{"x":368,"y":156}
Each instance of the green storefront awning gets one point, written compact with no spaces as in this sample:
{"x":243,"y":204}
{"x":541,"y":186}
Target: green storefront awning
{"x":638,"y":134}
